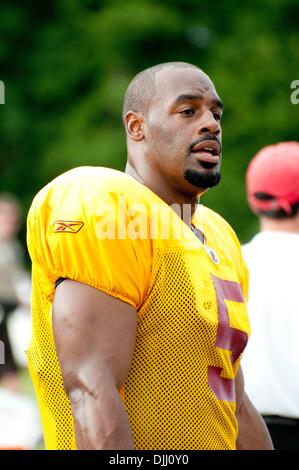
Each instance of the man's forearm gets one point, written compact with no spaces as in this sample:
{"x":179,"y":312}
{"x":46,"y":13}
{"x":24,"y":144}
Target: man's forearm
{"x":100,"y":420}
{"x":253,"y":433}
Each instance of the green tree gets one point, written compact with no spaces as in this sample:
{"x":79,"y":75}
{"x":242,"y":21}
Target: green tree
{"x":66,"y":65}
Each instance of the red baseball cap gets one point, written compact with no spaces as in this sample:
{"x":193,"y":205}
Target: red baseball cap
{"x":274,"y":171}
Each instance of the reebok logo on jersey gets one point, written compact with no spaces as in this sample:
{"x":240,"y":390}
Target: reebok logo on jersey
{"x":67,"y":226}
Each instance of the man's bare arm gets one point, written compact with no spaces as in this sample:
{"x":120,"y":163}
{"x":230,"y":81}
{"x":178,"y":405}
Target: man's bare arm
{"x":95,"y":338}
{"x":253,"y":433}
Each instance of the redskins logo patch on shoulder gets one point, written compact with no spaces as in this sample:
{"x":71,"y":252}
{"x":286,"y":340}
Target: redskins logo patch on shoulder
{"x":67,"y":226}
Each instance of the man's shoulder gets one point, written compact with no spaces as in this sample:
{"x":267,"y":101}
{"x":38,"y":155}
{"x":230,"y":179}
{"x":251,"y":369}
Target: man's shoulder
{"x":89,"y":178}
{"x":89,"y":193}
{"x":215,"y":220}
{"x":219,"y":233}
{"x":90,"y":186}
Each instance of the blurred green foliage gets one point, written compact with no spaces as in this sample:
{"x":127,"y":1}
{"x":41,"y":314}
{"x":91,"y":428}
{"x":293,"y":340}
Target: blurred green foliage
{"x":66,"y":65}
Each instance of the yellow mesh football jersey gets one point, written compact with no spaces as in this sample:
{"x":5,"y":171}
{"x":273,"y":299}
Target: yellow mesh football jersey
{"x":101,"y":227}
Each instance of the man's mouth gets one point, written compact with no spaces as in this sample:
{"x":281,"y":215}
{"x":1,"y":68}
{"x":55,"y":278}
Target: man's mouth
{"x":207,"y":152}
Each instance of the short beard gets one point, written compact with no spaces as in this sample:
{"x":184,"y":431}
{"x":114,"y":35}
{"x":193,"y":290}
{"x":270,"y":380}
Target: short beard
{"x":202,"y":180}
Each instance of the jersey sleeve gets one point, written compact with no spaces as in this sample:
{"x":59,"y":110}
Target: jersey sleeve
{"x":80,"y":237}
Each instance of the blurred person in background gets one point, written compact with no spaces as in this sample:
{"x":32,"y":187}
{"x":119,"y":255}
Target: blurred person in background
{"x":11,"y":268}
{"x":20,"y":427}
{"x":271,"y":360}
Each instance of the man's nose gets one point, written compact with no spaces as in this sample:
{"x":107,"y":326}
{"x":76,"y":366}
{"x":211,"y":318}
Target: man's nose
{"x":208,"y":124}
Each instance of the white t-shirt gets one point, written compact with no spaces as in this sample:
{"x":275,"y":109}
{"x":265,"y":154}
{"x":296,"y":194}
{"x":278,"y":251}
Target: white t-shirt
{"x":271,"y":358}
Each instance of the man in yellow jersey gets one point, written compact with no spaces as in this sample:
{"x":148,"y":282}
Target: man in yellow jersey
{"x":139,"y":316}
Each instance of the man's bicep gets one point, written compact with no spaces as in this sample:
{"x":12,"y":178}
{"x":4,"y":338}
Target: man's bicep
{"x":94,"y":335}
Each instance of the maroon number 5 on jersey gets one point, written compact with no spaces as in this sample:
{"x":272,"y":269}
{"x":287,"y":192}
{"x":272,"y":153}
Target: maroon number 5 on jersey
{"x":227,"y":338}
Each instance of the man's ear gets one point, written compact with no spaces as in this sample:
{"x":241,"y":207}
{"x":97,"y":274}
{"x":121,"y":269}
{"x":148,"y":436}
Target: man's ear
{"x":134,"y":125}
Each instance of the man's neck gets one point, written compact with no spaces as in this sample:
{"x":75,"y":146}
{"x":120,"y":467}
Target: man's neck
{"x":182,"y":204}
{"x":283,"y":225}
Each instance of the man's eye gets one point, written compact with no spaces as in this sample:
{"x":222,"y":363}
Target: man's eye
{"x":217,"y":116}
{"x":188,"y":112}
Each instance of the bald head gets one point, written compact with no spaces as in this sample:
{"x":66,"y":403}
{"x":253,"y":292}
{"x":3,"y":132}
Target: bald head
{"x":141,"y":90}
